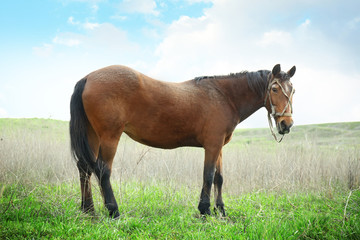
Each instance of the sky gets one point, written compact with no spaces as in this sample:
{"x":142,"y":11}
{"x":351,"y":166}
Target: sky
{"x":47,"y":46}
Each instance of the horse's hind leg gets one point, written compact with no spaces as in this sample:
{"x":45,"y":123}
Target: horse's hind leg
{"x":218,"y":181}
{"x":107,"y":152}
{"x":87,"y":204}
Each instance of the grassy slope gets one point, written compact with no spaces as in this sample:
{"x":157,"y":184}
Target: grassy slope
{"x":35,"y":126}
{"x":327,"y":134}
{"x":165,"y":210}
{"x":346,"y":133}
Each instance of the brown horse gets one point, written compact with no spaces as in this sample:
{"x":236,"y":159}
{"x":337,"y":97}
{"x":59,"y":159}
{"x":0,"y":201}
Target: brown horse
{"x":202,"y":112}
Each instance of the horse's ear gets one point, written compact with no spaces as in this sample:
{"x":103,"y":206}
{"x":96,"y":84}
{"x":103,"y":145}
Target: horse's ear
{"x":276,"y":69}
{"x":291,"y":72}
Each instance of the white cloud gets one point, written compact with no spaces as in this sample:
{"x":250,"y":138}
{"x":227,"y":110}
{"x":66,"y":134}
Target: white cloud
{"x":91,"y":26}
{"x":187,"y":44}
{"x":72,"y":22}
{"x":139,"y":6}
{"x":354,"y":23}
{"x":44,"y":51}
{"x":151,"y":33}
{"x":85,"y":1}
{"x":108,"y":36}
{"x":67,"y":41}
{"x":322,"y":96}
{"x":119,"y":17}
{"x":87,"y":25}
{"x":355,"y":112}
{"x":275,"y":37}
{"x":306,"y":23}
{"x":95,"y":8}
{"x":198,"y":1}
{"x":99,"y":40}
{"x":3,"y":113}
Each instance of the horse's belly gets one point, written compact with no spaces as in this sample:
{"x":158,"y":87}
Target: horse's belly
{"x":165,"y":142}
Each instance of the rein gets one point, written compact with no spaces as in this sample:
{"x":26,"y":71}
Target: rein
{"x":273,"y":113}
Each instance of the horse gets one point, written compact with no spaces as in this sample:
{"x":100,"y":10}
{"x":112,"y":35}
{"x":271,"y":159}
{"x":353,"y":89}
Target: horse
{"x":202,"y":112}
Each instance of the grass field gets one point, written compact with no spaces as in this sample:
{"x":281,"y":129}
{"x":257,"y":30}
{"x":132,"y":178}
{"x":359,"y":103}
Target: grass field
{"x":307,"y":187}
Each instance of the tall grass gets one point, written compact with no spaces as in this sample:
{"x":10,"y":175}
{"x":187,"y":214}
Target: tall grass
{"x":40,"y":153}
{"x":292,"y":168}
{"x":34,"y":155}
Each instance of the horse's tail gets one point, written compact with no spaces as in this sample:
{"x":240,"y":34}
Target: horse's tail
{"x":80,"y":147}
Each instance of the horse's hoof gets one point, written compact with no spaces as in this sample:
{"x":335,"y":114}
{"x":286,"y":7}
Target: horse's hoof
{"x":88,"y":209}
{"x":221,"y":210}
{"x":204,"y":208}
{"x":115,"y":214}
{"x":207,"y":212}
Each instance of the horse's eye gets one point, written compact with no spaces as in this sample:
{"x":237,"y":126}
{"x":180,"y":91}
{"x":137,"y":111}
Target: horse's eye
{"x":274,"y":90}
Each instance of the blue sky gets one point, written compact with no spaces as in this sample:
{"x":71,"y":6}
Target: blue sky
{"x":47,"y":46}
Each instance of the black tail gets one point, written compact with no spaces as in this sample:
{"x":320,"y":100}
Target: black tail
{"x":80,"y":147}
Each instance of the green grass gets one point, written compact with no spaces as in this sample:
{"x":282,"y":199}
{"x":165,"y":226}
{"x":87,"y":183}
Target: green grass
{"x":166,"y":211}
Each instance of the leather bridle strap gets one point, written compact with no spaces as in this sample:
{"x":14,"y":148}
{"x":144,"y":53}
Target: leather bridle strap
{"x":272,"y":129}
{"x":273,"y":111}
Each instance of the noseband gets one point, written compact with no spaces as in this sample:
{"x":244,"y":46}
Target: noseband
{"x":273,"y":113}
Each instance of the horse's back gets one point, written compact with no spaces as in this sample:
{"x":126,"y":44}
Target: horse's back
{"x":122,"y":83}
{"x":113,"y":79}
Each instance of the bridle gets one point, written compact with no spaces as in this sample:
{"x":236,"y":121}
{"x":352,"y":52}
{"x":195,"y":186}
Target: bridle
{"x":273,"y":113}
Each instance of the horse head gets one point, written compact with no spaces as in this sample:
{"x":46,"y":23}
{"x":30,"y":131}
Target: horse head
{"x":278,"y":98}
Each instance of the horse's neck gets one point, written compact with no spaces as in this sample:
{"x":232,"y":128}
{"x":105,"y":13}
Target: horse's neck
{"x":243,"y":100}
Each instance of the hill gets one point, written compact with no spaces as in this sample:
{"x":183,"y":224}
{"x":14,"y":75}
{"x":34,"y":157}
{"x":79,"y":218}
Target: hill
{"x":327,"y":134}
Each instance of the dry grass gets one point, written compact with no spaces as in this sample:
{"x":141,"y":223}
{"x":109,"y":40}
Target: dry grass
{"x":29,"y":155}
{"x":303,"y":168}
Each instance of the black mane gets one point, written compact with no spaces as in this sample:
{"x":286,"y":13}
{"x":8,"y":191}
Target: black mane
{"x":257,"y":80}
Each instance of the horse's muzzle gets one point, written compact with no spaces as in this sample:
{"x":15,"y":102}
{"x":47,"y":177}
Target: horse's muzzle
{"x":283,"y":127}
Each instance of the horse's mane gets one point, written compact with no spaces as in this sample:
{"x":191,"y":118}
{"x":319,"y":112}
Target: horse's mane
{"x":257,"y":80}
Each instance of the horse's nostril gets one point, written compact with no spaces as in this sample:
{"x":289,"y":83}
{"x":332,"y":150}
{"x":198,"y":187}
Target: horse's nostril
{"x":284,"y":128}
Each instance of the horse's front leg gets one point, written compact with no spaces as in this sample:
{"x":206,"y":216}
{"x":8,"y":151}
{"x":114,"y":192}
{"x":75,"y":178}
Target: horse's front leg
{"x":211,"y":156}
{"x":218,"y":181}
